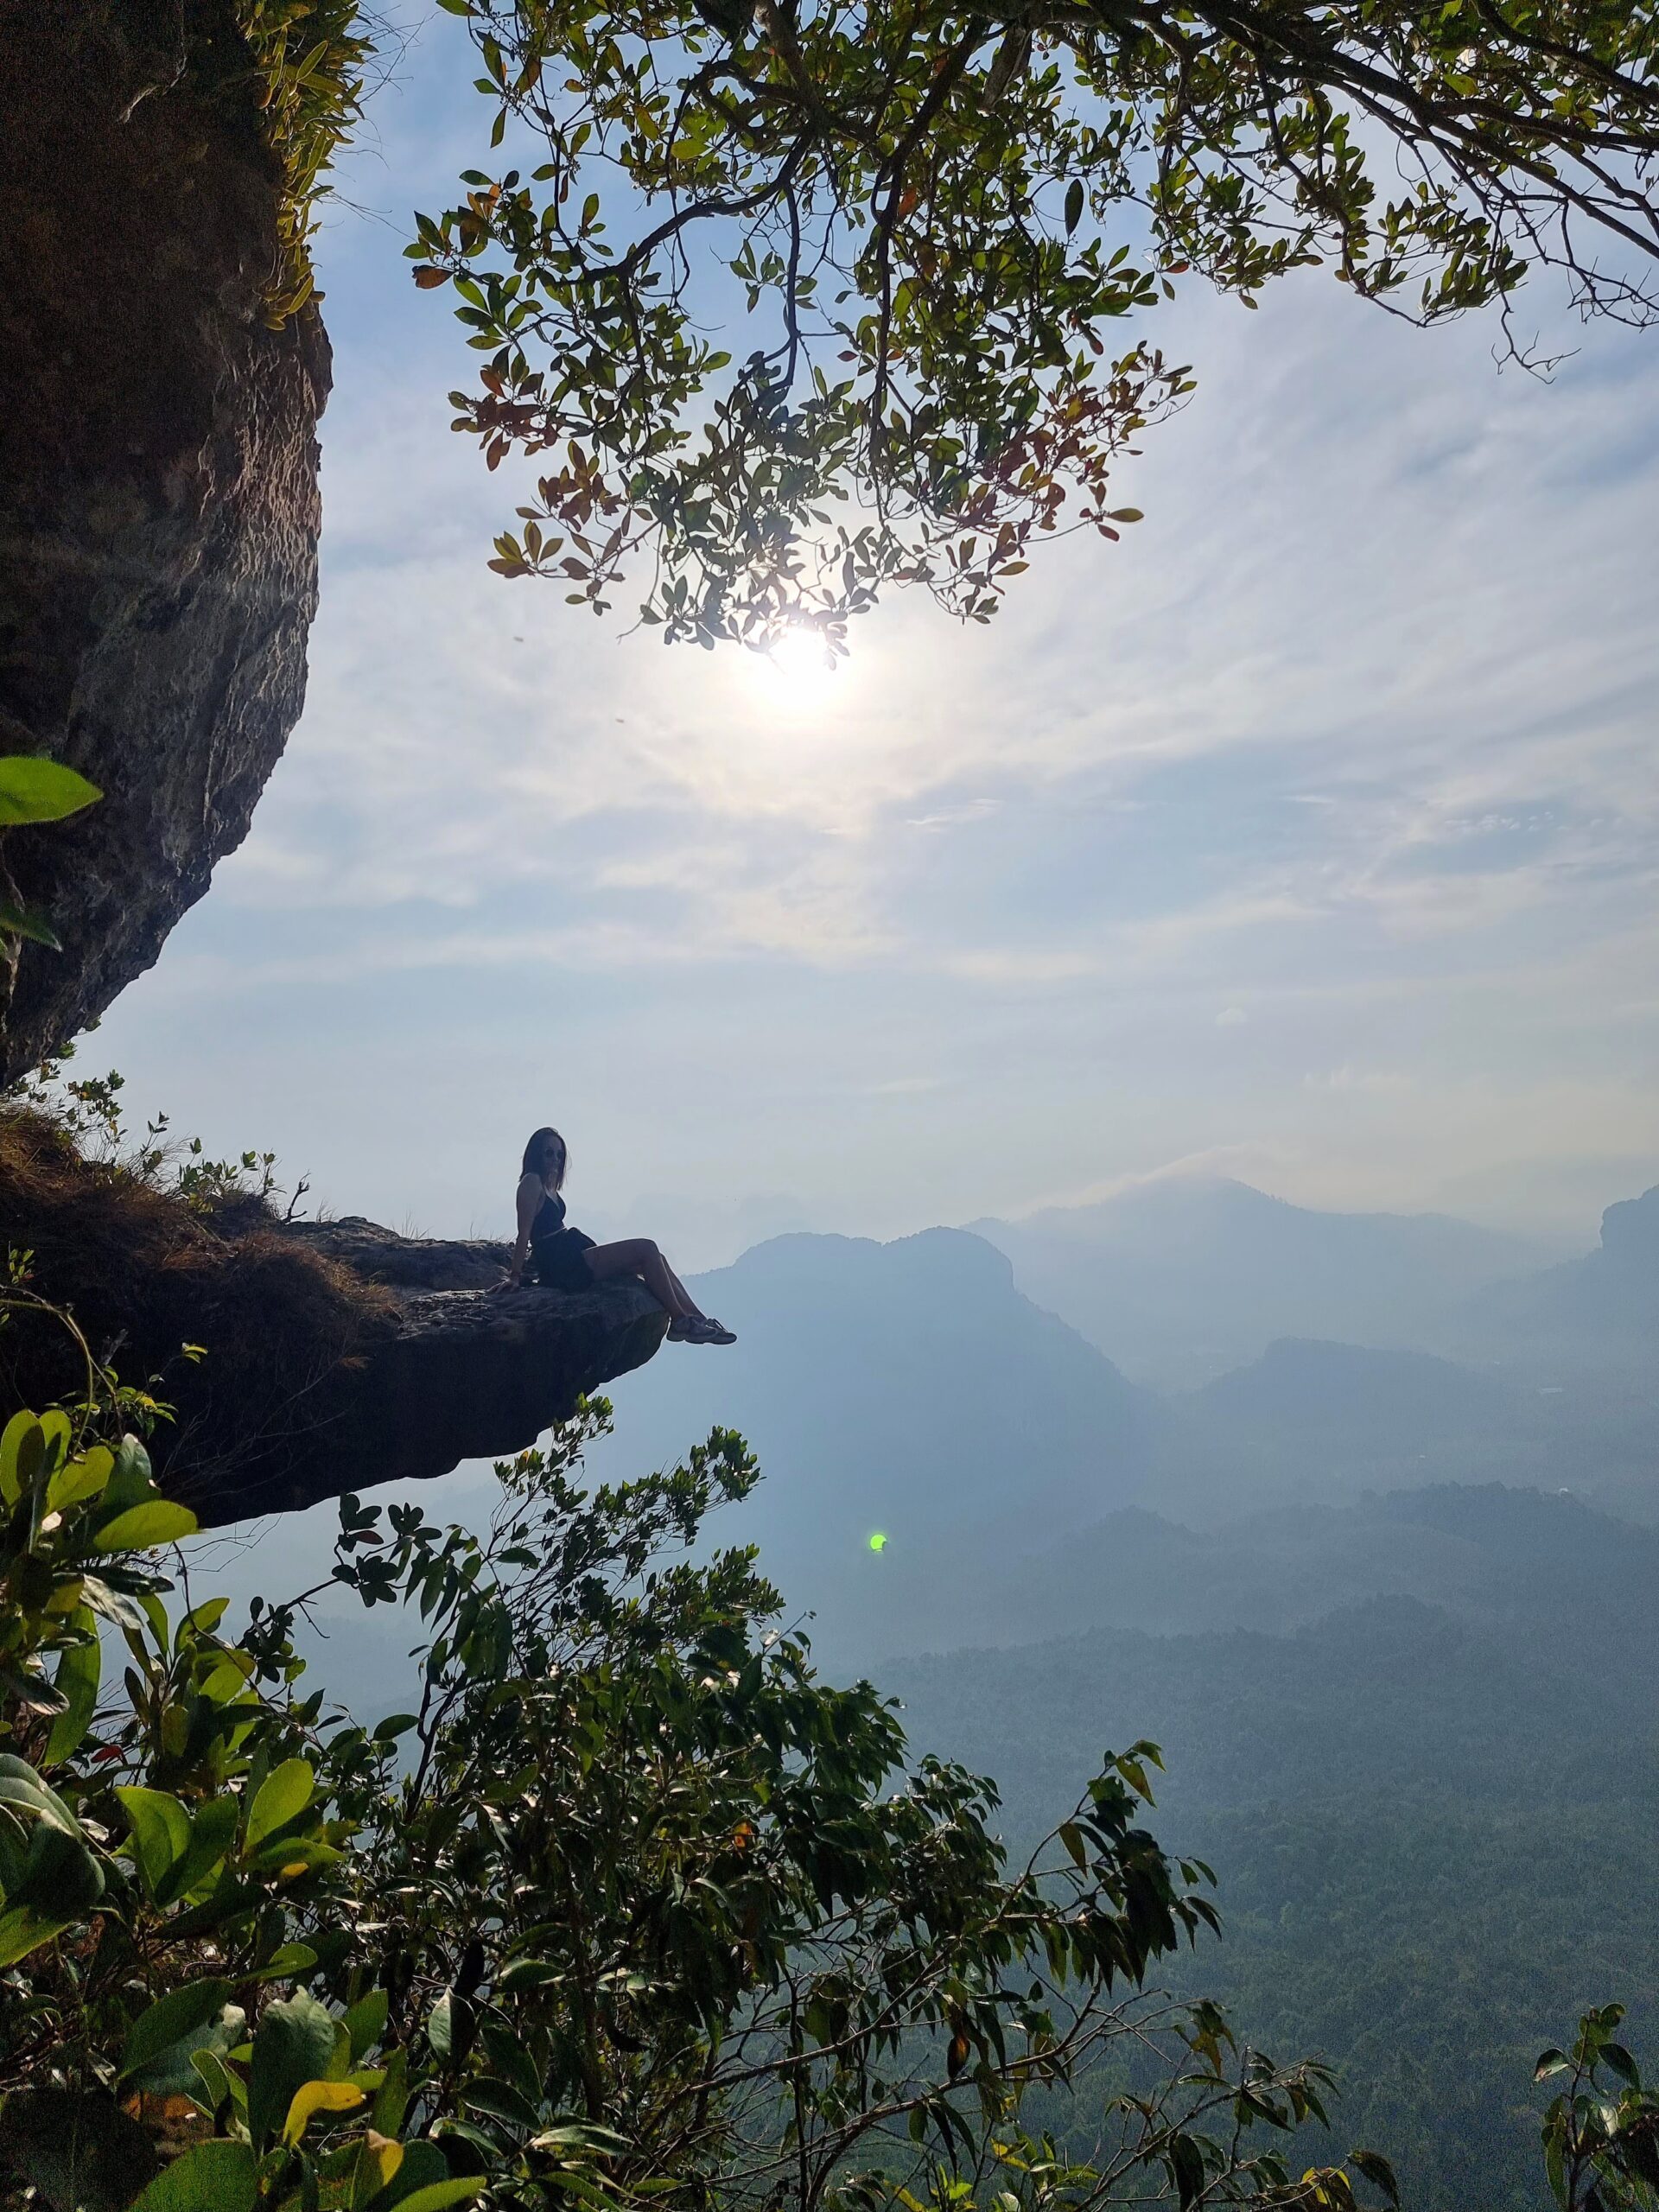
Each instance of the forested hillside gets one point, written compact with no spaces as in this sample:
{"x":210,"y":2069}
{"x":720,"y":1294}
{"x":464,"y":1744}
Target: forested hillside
{"x":1389,"y":1613}
{"x":1432,"y":1839}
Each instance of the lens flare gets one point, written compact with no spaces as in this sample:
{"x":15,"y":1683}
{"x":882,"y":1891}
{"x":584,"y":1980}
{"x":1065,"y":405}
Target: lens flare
{"x":878,"y":1541}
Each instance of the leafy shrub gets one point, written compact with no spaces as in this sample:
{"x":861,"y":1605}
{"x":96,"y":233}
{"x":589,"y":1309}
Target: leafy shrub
{"x":309,"y":57}
{"x":1601,"y":2132}
{"x":629,"y":1907}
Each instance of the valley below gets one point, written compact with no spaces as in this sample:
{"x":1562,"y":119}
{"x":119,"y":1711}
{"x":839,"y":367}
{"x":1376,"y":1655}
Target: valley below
{"x":1388,"y":1609}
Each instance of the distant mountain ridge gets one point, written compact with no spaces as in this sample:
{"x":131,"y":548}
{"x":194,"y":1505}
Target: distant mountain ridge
{"x":906,"y":1390}
{"x":1387,"y":1402}
{"x":1483,"y":1551}
{"x":1596,"y":1313}
{"x":1180,"y":1278}
{"x":913,"y":1393}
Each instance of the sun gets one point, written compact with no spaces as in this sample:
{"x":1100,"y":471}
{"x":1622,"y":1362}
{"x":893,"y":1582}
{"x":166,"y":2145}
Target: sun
{"x":798,"y":676}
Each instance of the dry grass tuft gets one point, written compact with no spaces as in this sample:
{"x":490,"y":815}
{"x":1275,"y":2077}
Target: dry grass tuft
{"x":145,"y":1274}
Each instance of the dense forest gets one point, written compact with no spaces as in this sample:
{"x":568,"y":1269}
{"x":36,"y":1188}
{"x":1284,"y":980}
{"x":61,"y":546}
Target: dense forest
{"x":1431,"y":1841}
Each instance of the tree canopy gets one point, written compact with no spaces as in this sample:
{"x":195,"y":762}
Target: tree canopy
{"x":939,"y":229}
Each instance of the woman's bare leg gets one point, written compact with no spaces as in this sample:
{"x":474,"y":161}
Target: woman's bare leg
{"x":691,"y":1306}
{"x":638,"y":1256}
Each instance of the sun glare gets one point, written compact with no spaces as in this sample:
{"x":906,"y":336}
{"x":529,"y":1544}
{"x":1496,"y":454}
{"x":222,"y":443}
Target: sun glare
{"x":798,"y":676}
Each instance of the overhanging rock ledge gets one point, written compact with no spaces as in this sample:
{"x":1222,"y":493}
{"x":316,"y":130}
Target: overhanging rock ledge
{"x":458,"y":1369}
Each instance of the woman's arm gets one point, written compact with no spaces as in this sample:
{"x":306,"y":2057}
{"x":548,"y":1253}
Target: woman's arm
{"x":529,"y":1204}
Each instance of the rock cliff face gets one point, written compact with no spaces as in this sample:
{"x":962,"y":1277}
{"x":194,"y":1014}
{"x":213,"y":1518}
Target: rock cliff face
{"x":464,"y":1371}
{"x":158,"y":478}
{"x":338,"y":1354}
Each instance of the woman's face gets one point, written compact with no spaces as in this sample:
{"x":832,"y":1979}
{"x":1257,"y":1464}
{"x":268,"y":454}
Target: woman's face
{"x":552,"y":1160}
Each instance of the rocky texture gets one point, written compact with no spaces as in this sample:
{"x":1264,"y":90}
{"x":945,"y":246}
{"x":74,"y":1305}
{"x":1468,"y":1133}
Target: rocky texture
{"x":460,"y":1369}
{"x":406,"y":1263}
{"x":338,"y":1355}
{"x":158,"y":478}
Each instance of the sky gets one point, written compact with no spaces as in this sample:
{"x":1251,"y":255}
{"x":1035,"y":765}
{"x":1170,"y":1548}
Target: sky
{"x":1306,"y":836}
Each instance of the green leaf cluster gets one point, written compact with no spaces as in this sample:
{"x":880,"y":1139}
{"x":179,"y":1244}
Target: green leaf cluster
{"x":630,"y":1906}
{"x":940,"y":234}
{"x":1601,"y":2132}
{"x":309,"y":57}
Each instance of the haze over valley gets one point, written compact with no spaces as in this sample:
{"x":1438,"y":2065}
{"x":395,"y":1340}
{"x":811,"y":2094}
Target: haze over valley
{"x":1388,"y":1610}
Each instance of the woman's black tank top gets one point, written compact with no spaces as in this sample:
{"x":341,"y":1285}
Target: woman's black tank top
{"x":550,"y":1217}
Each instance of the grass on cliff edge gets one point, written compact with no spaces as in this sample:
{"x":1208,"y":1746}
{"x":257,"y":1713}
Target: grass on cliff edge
{"x":204,"y":1301}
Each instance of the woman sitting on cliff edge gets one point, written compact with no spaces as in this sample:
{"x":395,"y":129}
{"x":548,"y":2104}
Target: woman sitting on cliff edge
{"x":563,"y":1259}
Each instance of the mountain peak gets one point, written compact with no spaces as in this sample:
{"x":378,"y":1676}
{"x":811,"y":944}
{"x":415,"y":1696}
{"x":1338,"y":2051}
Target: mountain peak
{"x":1183,"y":1277}
{"x":1631,"y":1229}
{"x":937,"y":1259}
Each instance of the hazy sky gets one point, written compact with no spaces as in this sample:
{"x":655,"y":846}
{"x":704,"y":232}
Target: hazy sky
{"x":1309,"y":833}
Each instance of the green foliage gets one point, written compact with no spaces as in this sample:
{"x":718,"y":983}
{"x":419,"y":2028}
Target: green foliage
{"x":161,"y":1856}
{"x":939,"y":226}
{"x":91,"y":1112}
{"x":35,"y":790}
{"x":1601,"y":2132}
{"x":309,"y":57}
{"x":631,"y":1907}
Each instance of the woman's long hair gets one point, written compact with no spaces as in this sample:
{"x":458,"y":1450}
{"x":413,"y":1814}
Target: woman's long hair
{"x":537,"y":1147}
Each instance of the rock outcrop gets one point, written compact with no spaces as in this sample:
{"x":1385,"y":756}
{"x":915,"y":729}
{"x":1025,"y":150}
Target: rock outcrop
{"x":463,"y":1369}
{"x":1594,"y":1315}
{"x":158,"y":478}
{"x":334,"y":1356}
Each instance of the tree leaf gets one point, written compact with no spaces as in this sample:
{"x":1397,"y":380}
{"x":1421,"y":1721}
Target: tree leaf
{"x":17,"y":921}
{"x":78,"y":1479}
{"x":421,"y":2166}
{"x":58,"y":1884}
{"x":22,"y":1447}
{"x":295,"y":2044}
{"x":365,"y":2022}
{"x":141,"y":1528}
{"x":216,"y":2176}
{"x":284,"y":1793}
{"x":22,"y":1790}
{"x":160,"y":1831}
{"x":1378,"y":2170}
{"x":79,"y":1671}
{"x":378,"y":2159}
{"x":34,"y":790}
{"x":114,"y":1605}
{"x":168,"y":2020}
{"x":437,"y":2194}
{"x":313,"y":2097}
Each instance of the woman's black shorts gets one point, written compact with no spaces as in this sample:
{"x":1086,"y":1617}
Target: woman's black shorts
{"x":556,"y":1261}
